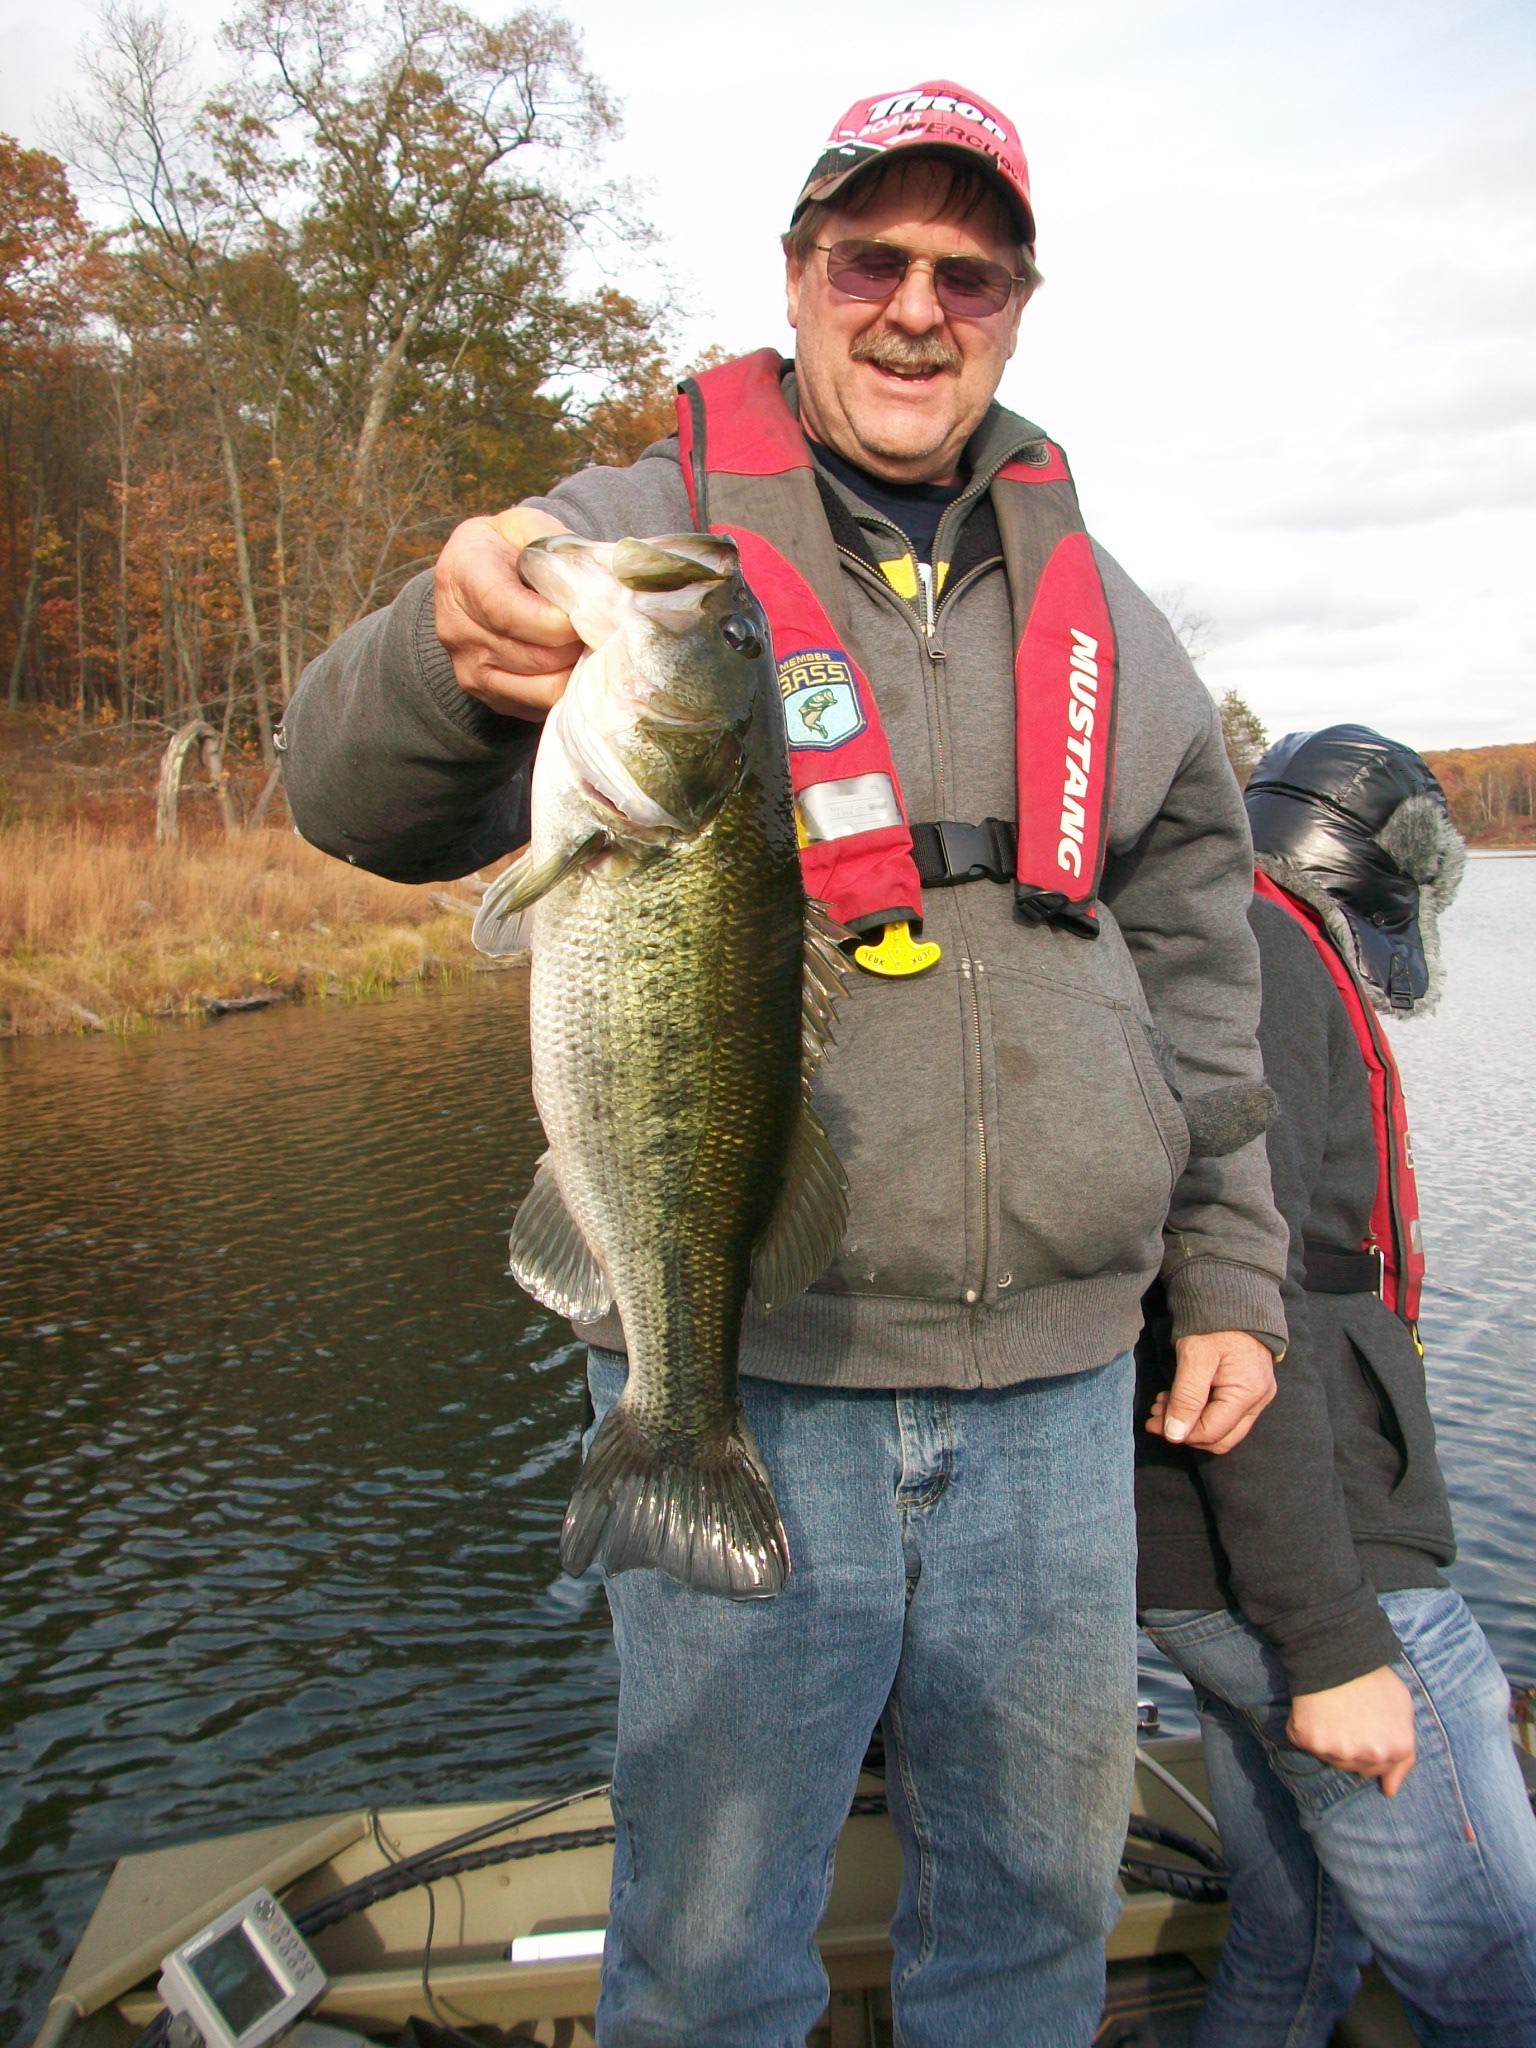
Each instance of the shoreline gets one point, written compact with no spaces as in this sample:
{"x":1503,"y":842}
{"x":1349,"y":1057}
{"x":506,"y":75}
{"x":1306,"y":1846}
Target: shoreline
{"x":101,"y":932}
{"x":105,"y":931}
{"x":177,"y":974}
{"x":52,"y":1012}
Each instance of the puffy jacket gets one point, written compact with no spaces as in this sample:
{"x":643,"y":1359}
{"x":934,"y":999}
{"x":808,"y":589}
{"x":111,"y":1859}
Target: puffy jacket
{"x":1336,"y":1495}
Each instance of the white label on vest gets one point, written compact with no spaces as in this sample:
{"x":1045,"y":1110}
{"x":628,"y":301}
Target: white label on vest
{"x":836,"y":810}
{"x":1083,"y":682}
{"x":821,"y":699}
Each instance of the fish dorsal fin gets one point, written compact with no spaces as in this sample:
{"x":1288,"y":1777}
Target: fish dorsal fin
{"x":811,"y":1213}
{"x":501,"y":925}
{"x":550,"y":1257}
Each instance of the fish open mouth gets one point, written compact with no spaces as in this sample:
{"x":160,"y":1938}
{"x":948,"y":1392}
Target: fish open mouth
{"x":599,"y":799}
{"x":661,"y":709}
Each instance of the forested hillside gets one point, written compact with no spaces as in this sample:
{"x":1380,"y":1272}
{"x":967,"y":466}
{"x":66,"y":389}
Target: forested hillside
{"x":351,"y":293}
{"x":1491,"y":792}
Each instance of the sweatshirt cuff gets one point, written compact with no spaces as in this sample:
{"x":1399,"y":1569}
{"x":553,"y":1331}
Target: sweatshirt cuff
{"x":1324,"y":1647}
{"x":490,"y":730}
{"x":1207,"y":1294}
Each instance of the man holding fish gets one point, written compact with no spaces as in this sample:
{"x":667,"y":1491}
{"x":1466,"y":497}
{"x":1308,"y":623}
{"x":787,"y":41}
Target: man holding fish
{"x":992,"y":763}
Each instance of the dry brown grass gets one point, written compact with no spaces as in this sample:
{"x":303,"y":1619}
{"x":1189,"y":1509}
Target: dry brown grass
{"x":96,"y":926}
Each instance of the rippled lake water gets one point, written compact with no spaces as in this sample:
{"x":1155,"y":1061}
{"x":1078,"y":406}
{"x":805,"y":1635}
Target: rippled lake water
{"x":285,"y":1452}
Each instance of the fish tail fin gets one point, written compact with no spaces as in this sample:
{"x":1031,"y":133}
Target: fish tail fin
{"x":702,"y":1512}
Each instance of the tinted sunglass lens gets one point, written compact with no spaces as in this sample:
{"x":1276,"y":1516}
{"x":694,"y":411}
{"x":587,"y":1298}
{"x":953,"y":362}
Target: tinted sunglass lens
{"x":865,"y":270}
{"x":970,"y":289}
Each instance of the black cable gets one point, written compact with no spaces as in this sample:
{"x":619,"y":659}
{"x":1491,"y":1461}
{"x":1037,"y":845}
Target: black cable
{"x":389,"y":1856}
{"x":425,"y":1869}
{"x":1209,"y":1886}
{"x":426,"y":1859}
{"x":1179,"y":1884}
{"x":1140,"y":1829}
{"x":454,"y":2033}
{"x":398,"y":1878}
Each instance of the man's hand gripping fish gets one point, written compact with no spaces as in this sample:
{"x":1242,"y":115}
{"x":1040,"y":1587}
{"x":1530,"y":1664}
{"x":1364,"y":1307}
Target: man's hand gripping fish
{"x":681,"y":995}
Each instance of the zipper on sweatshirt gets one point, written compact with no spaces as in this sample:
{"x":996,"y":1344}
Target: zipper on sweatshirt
{"x":969,"y":970}
{"x":925,"y":588}
{"x":923,"y":602}
{"x":974,"y":1283}
{"x":930,"y":648}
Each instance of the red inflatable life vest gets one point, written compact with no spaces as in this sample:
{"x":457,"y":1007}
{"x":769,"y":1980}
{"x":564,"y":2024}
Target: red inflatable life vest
{"x":1394,"y":1229}
{"x":744,"y":457}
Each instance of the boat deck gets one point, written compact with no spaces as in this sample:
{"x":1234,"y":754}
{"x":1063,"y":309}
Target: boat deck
{"x":383,"y":1975}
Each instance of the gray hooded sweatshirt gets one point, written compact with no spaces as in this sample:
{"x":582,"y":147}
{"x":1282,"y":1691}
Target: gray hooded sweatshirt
{"x":1018,"y":1163}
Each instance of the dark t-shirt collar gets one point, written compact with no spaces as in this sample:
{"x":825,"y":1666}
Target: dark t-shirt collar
{"x":915,"y":509}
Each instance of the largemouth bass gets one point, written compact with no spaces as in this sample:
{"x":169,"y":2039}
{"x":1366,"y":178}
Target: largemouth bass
{"x":681,"y":994}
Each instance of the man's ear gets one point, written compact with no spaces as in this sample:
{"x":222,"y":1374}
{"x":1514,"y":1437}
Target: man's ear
{"x":1017,"y":315}
{"x":794,"y":273}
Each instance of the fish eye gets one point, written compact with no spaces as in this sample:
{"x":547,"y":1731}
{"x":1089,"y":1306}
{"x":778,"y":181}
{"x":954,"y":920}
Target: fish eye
{"x":741,"y":634}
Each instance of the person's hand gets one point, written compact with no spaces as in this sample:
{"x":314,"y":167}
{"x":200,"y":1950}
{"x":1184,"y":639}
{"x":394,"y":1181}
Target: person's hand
{"x":1365,"y":1726}
{"x":512,"y":649}
{"x":1221,"y":1385}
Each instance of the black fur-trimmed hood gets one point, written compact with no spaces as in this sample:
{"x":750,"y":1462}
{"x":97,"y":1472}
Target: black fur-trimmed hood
{"x":1357,"y":827}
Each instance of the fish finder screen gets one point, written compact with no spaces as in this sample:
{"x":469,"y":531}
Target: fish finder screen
{"x":233,"y":1974}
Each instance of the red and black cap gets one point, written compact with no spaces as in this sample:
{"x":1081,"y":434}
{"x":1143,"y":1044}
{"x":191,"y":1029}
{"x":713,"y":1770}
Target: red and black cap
{"x":938,"y":117}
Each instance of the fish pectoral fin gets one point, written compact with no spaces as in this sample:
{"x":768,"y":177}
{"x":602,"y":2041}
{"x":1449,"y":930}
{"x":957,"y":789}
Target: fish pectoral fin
{"x":550,"y":1257}
{"x":500,"y":926}
{"x":811,"y":1213}
{"x":500,"y":933}
{"x":825,"y":977}
{"x":809,"y":1217}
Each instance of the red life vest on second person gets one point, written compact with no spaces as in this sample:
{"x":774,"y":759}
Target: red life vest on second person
{"x":1394,"y":1230}
{"x":750,"y":476}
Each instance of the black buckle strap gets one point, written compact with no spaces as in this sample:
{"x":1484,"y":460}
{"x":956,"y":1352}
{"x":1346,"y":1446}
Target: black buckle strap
{"x":948,"y":853}
{"x":1333,"y":1271}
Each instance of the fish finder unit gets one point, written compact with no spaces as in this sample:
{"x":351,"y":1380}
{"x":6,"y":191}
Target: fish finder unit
{"x":245,"y":1979}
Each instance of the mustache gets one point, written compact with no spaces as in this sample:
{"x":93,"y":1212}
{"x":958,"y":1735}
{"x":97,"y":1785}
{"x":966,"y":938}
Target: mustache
{"x":907,"y":352}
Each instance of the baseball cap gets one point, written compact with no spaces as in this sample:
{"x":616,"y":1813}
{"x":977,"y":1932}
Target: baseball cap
{"x":938,"y":117}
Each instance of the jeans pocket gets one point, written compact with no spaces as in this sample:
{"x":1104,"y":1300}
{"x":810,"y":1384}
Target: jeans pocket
{"x":1182,"y":1627}
{"x":1447,"y":1651}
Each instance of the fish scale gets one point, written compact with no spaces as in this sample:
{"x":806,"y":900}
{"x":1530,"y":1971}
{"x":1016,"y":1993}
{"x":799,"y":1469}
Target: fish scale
{"x":669,"y":1196}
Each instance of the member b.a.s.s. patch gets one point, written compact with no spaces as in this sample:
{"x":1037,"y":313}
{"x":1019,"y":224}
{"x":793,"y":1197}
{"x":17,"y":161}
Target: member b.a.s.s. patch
{"x":821,"y":698}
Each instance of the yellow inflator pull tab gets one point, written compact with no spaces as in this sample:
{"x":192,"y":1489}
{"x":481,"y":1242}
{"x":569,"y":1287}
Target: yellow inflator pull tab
{"x":897,"y":953}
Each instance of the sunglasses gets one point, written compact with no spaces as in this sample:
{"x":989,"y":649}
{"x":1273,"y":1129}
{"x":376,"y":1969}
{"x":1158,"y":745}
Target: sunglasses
{"x":969,"y":287}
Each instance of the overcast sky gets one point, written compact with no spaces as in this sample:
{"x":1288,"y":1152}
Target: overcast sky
{"x":1288,"y":331}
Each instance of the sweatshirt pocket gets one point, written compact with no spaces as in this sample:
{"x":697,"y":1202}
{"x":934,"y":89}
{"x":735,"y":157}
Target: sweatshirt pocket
{"x":1384,"y":1435}
{"x":1090,"y":1141}
{"x":892,"y":1094}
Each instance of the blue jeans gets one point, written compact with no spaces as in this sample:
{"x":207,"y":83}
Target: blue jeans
{"x":1440,"y":1882}
{"x":964,"y":1565}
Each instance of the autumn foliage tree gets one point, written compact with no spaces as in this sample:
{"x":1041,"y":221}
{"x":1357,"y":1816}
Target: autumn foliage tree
{"x":50,"y":273}
{"x":1491,"y":791}
{"x":351,"y":294}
